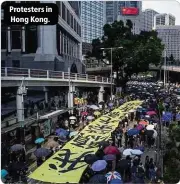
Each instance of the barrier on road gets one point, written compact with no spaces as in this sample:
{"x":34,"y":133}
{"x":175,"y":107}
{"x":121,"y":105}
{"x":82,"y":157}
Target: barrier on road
{"x":67,"y":165}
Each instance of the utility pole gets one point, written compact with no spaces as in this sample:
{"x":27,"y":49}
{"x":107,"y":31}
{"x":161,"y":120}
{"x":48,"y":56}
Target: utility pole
{"x":165,"y":69}
{"x":20,"y":107}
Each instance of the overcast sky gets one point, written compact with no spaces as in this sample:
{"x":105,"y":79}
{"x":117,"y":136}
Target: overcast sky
{"x":168,"y":6}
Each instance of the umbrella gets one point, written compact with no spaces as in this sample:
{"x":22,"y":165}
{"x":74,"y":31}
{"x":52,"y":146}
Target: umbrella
{"x":51,"y":144}
{"x":150,"y":127}
{"x":144,"y":123}
{"x":84,"y":113}
{"x":95,"y":107}
{"x":124,"y":164}
{"x":167,"y":116}
{"x":127,"y":152}
{"x":39,"y":140}
{"x":73,"y":134}
{"x":149,"y":133}
{"x":42,"y":152}
{"x":133,"y":131}
{"x":97,"y":113}
{"x":132,"y":110}
{"x":139,"y":127}
{"x":99,"y":165}
{"x":155,"y":134}
{"x":178,"y":117}
{"x":61,"y":132}
{"x":4,"y":173}
{"x":101,"y":103}
{"x":140,"y":148}
{"x":110,"y":104}
{"x":17,"y":147}
{"x":150,"y":113}
{"x":136,"y":152}
{"x":111,"y":150}
{"x":90,"y":117}
{"x":17,"y":166}
{"x":116,"y":181}
{"x":109,"y":157}
{"x":98,"y":178}
{"x":113,"y":176}
{"x":90,"y":158}
{"x":147,"y":116}
{"x":104,"y":144}
{"x":72,"y":118}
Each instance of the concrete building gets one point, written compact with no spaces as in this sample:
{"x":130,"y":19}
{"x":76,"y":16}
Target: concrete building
{"x":147,"y":19}
{"x":170,"y":36}
{"x":53,"y":47}
{"x":114,"y":11}
{"x":93,"y":20}
{"x":164,"y":19}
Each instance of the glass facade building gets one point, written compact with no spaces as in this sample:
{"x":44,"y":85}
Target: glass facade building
{"x":92,"y":19}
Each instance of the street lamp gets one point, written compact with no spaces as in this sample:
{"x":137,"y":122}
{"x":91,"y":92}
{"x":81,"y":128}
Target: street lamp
{"x":111,"y":49}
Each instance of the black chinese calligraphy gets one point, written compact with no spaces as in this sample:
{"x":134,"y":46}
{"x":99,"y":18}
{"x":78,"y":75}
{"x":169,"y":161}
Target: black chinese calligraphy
{"x":68,"y":163}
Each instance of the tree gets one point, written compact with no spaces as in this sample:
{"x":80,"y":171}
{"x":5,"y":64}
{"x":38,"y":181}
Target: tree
{"x":138,"y":52}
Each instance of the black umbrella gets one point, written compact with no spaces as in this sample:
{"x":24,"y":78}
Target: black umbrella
{"x":149,"y":133}
{"x":17,"y":166}
{"x":98,"y":178}
{"x":17,"y":147}
{"x":90,"y":159}
{"x":42,"y":152}
{"x":101,"y":103}
{"x":124,"y":164}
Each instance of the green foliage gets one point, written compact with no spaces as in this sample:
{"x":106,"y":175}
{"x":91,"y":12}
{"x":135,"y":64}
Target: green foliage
{"x":138,"y":52}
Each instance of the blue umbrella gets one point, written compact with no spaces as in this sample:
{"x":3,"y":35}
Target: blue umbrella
{"x":4,"y":173}
{"x":42,"y":152}
{"x":39,"y":140}
{"x":178,"y":117}
{"x":167,"y":116}
{"x":133,"y":131}
{"x":110,"y":104}
{"x":61,"y":132}
{"x":141,"y":148}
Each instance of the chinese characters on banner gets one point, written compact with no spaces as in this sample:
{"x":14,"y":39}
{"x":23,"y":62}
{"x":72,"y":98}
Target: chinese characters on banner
{"x":68,"y":165}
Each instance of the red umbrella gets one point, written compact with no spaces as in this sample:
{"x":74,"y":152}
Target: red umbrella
{"x":144,"y":123}
{"x":140,"y":127}
{"x":84,"y":113}
{"x":111,"y":150}
{"x":151,"y":113}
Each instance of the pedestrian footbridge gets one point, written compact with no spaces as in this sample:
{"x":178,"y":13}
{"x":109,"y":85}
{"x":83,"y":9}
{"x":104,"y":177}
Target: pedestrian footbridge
{"x":12,"y":77}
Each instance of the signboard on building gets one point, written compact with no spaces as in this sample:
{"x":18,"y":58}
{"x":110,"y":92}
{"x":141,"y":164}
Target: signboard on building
{"x":129,"y":11}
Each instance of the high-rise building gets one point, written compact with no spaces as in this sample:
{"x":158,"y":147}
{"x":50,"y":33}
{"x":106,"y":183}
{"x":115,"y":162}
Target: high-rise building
{"x":164,"y":19}
{"x":92,"y":19}
{"x":124,"y":10}
{"x":53,"y":47}
{"x":147,"y":19}
{"x":170,"y":36}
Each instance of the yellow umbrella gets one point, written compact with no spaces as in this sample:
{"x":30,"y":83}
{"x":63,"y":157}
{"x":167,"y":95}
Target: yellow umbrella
{"x":97,"y":113}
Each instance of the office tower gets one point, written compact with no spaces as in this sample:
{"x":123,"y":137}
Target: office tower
{"x":124,"y":10}
{"x":93,"y":20}
{"x":170,"y":36}
{"x":164,"y":19}
{"x":147,"y":19}
{"x":53,"y":47}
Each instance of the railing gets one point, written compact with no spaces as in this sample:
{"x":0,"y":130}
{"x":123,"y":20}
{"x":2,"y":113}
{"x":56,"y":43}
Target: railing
{"x":170,"y":68}
{"x":35,"y":73}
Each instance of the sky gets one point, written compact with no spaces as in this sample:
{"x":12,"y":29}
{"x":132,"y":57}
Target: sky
{"x":161,"y":6}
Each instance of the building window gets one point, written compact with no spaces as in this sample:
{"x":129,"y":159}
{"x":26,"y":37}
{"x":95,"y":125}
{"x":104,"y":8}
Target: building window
{"x":75,"y":25}
{"x":59,"y":7}
{"x":16,"y":39}
{"x":68,"y":17}
{"x":16,"y":63}
{"x":3,"y":39}
{"x":3,"y":64}
{"x":63,"y":11}
{"x":72,"y":23}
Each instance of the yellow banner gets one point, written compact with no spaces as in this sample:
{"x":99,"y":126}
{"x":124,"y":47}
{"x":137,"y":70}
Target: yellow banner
{"x":67,"y":165}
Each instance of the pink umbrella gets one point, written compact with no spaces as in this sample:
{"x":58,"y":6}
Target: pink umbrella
{"x":84,"y":113}
{"x":140,"y":127}
{"x":150,"y":113}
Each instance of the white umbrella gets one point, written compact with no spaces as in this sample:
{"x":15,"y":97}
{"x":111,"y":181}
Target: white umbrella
{"x":136,"y":152}
{"x":95,"y":107}
{"x":127,"y":152}
{"x":150,"y":127}
{"x":132,"y":110}
{"x":90,"y":118}
{"x":147,"y":116}
{"x":72,"y":118}
{"x":155,"y":134}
